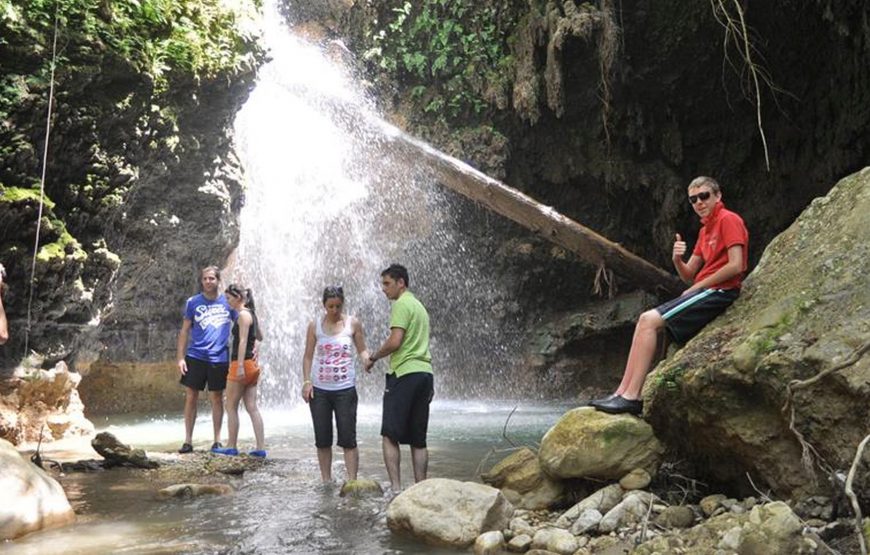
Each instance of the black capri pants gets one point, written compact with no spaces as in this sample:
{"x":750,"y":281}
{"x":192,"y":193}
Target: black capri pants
{"x":343,"y":404}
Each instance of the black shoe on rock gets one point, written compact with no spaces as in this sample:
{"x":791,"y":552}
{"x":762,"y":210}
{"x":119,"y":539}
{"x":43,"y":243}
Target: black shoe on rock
{"x":596,"y":402}
{"x":186,"y":448}
{"x":621,"y":405}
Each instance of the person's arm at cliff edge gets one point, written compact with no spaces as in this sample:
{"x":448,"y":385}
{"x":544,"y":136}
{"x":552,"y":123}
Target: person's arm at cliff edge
{"x":687,"y":270}
{"x":181,"y":347}
{"x":4,"y":324}
{"x":391,"y":345}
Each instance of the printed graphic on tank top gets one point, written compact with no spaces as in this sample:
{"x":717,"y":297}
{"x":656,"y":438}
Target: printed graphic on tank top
{"x":333,"y":367}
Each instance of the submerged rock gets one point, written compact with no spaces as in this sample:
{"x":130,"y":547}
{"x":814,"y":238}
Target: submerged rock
{"x":32,"y":500}
{"x":360,"y":488}
{"x":448,"y":512}
{"x":194,"y":490}
{"x":586,"y":443}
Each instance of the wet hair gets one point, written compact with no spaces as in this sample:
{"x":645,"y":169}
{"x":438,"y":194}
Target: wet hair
{"x":397,"y":271}
{"x":333,"y":292}
{"x":215,"y":269}
{"x":239,"y":291}
{"x":708,"y":181}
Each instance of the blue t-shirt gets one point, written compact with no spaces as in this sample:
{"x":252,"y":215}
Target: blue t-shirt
{"x":210,"y":324}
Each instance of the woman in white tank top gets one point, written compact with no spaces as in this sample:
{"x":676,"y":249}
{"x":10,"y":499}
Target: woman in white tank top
{"x":329,"y":380}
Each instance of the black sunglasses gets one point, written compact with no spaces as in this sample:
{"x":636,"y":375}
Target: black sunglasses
{"x":703,"y":195}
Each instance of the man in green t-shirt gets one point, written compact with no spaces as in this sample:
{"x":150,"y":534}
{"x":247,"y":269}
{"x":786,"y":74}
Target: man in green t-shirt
{"x":409,"y":388}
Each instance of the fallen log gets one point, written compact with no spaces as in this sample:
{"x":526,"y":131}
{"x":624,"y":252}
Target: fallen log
{"x":541,"y":219}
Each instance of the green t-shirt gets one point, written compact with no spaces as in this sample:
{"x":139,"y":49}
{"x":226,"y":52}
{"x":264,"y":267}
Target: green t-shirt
{"x":413,"y":355}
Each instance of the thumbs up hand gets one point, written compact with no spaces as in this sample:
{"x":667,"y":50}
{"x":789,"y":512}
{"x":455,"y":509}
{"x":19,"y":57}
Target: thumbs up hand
{"x":679,"y":248}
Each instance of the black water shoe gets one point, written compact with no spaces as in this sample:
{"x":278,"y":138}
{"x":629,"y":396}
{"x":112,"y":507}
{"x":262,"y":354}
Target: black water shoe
{"x":186,"y":448}
{"x":621,"y":405}
{"x":216,"y":446}
{"x":596,"y":402}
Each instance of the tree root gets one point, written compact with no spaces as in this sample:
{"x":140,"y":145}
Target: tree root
{"x":853,"y":498}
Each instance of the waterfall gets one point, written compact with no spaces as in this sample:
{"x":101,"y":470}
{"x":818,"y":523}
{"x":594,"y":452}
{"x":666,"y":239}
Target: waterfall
{"x":323,"y":207}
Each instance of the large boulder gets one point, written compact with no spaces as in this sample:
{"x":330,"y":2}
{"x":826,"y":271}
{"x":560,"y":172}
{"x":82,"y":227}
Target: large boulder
{"x":32,"y":500}
{"x":447,"y":512}
{"x":42,"y":403}
{"x":523,"y":483}
{"x":586,"y":443}
{"x":804,"y":310}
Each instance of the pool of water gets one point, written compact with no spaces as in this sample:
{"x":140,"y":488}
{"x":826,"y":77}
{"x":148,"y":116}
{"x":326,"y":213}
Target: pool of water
{"x":283,"y":508}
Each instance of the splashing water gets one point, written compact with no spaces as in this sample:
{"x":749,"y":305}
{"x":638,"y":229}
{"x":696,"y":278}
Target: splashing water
{"x":323,"y":207}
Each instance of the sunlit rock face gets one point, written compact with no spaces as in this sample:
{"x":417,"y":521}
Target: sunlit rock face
{"x":723,"y":399}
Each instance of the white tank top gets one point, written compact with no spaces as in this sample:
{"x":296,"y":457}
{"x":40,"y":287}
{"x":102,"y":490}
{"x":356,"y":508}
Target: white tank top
{"x":332,"y":367}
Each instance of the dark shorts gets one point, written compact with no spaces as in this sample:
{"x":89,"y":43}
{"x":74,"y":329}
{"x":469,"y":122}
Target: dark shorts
{"x":343,"y":404}
{"x":200,"y":373}
{"x":406,"y":408}
{"x":685,"y":316}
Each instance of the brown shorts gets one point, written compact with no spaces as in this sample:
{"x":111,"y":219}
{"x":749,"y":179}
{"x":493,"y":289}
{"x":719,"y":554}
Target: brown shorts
{"x":252,"y":372}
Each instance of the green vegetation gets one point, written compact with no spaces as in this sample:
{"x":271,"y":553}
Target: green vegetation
{"x":162,"y":38}
{"x":21,"y":194}
{"x":670,"y":377}
{"x":448,"y":52}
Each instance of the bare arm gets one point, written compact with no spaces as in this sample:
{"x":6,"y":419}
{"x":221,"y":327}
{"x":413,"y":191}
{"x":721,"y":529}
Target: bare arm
{"x":310,"y":341}
{"x":359,"y":341}
{"x":733,"y":267}
{"x":391,"y":345}
{"x":687,"y":270}
{"x":244,"y":322}
{"x":181,"y":347}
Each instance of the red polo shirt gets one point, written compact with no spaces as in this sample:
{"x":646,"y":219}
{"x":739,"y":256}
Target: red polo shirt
{"x":722,"y":229}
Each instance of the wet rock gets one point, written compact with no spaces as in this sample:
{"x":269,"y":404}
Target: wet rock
{"x":678,"y":516}
{"x":448,"y":512}
{"x":632,"y":509}
{"x":555,"y":540}
{"x":32,"y":500}
{"x":361,"y":488}
{"x":636,"y":479}
{"x":602,"y":501}
{"x":586,"y":443}
{"x":194,"y":490}
{"x":119,"y":454}
{"x":522,"y":481}
{"x":519,"y":527}
{"x":489,"y":543}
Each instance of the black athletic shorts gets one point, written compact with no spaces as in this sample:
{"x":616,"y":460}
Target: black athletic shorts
{"x":406,"y":408}
{"x":343,"y":403}
{"x":200,"y":373}
{"x":685,"y":316}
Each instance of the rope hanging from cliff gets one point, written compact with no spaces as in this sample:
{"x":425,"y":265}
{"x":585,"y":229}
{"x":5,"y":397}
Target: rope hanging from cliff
{"x":42,"y":178}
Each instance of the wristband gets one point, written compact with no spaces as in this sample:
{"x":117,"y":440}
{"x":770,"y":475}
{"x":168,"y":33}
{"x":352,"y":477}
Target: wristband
{"x":306,"y":382}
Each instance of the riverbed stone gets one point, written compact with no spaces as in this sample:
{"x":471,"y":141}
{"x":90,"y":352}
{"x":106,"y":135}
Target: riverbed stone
{"x":489,"y":543}
{"x":586,"y":443}
{"x":362,"y":487}
{"x":447,"y":512}
{"x":117,"y":453}
{"x":194,"y":490}
{"x":32,"y":500}
{"x":602,"y":501}
{"x":522,"y":481}
{"x":636,"y":479}
{"x":587,"y":521}
{"x":710,"y":503}
{"x":677,"y":516}
{"x":520,"y":544}
{"x":632,"y":509}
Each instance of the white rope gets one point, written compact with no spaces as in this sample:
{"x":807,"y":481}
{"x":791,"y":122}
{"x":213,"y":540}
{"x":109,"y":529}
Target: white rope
{"x":42,"y":179}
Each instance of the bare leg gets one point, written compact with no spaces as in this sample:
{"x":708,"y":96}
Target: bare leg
{"x":324,"y":459}
{"x":191,"y":396}
{"x":256,"y":418}
{"x":392,"y":460}
{"x":351,"y":462}
{"x":234,"y":395}
{"x":420,"y":462}
{"x":640,"y":357}
{"x":217,"y":412}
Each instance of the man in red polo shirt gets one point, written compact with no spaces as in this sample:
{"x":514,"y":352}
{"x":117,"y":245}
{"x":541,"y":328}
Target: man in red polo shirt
{"x":714,"y":271}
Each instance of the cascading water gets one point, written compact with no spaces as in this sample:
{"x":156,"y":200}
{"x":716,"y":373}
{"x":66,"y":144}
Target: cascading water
{"x":322,"y":207}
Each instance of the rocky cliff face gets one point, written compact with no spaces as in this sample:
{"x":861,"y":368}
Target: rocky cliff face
{"x":141,"y":184}
{"x":776,"y":388}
